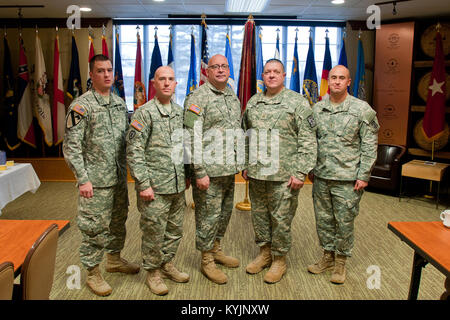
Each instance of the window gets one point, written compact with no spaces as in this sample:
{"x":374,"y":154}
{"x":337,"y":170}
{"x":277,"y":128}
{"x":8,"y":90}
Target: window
{"x":216,"y":45}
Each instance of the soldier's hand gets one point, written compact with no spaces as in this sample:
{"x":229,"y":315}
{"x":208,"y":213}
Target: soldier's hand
{"x":86,"y":190}
{"x":295,"y":183}
{"x":203,"y":183}
{"x":359,"y":185}
{"x":147,"y":194}
{"x":244,"y":174}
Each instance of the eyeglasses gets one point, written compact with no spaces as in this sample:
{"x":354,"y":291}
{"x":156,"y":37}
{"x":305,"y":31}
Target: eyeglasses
{"x":219,"y":66}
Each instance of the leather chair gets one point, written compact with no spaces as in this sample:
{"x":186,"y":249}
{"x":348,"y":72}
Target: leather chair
{"x":6,"y":280}
{"x":36,"y":277}
{"x":387,"y":169}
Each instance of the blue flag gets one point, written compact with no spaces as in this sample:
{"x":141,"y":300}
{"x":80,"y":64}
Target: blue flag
{"x":118,"y":87}
{"x":277,"y":47}
{"x":359,"y":89}
{"x":74,"y":89}
{"x":154,"y":65}
{"x":170,"y":60}
{"x":295,"y":75}
{"x":343,"y":55}
{"x":192,"y":76}
{"x":230,"y":63}
{"x":259,"y":64}
{"x":310,"y":89}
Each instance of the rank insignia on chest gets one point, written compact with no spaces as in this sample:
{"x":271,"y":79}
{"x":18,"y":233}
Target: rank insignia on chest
{"x":137,"y":125}
{"x":79,"y":109}
{"x":195,"y":109}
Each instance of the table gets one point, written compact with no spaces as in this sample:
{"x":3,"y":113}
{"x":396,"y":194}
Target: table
{"x":427,"y":170}
{"x":15,"y":181}
{"x":431,"y":244}
{"x":17,"y":237}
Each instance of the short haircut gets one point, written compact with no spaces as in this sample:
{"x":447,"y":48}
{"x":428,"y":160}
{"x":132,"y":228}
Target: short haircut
{"x":274,"y":60}
{"x":97,"y":57}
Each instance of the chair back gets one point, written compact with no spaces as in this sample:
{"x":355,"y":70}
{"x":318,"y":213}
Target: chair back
{"x":36,"y":278}
{"x":6,"y":280}
{"x":388,"y":153}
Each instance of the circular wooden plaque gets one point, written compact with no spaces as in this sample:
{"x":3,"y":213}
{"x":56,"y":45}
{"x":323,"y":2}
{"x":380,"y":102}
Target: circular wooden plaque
{"x":419,"y":137}
{"x":424,"y":83}
{"x":428,"y":42}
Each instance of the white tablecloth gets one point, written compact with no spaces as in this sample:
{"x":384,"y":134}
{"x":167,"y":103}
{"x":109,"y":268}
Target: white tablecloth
{"x":17,"y":180}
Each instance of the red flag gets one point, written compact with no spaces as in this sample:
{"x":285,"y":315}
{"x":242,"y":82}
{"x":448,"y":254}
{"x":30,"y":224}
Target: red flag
{"x":25,"y":128}
{"x":59,"y":110}
{"x":139,"y":87}
{"x":434,"y":119}
{"x":247,"y":74}
{"x":91,"y":54}
{"x":104,"y":46}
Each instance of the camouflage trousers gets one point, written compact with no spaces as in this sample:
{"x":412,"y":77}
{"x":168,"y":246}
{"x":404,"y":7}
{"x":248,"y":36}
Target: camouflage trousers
{"x":213,"y":209}
{"x":162,"y":228}
{"x":273,"y":207}
{"x":336,"y":206}
{"x":101,"y":220}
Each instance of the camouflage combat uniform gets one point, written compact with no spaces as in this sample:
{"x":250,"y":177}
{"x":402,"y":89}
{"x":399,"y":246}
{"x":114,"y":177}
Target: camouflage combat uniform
{"x":288,"y":116}
{"x":347,"y":136}
{"x":94,"y":149}
{"x":149,"y":156}
{"x":215,"y":112}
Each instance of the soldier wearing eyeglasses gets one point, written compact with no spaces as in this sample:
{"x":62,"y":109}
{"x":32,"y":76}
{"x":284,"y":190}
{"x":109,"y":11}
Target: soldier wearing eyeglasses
{"x":211,"y":111}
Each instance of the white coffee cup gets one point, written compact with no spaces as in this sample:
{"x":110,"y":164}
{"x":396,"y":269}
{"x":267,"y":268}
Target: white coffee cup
{"x":445,"y":217}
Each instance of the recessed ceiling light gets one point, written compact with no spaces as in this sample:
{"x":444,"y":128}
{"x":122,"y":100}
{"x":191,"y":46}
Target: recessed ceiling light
{"x":85,"y":9}
{"x":338,"y":1}
{"x":159,"y":0}
{"x":246,"y":6}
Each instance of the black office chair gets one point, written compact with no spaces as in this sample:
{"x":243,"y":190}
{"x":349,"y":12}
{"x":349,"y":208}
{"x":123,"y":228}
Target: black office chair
{"x":387,"y":169}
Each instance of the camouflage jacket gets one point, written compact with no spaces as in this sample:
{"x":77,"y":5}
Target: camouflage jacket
{"x":152,"y":154}
{"x":288,"y":118}
{"x":215,"y":113}
{"x":94,"y":141}
{"x":347,"y":137}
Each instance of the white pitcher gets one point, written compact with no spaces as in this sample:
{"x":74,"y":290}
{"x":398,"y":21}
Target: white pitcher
{"x":445,"y":217}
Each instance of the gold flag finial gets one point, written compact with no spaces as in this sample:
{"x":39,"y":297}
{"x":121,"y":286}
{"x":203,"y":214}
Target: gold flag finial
{"x":250,"y":17}
{"x":438,"y":27}
{"x":204,"y":19}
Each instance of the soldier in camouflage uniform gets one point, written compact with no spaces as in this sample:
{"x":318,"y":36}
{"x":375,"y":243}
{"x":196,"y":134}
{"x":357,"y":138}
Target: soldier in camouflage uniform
{"x":159,"y":180}
{"x":347,"y":135}
{"x":284,"y":117}
{"x":94,"y":149}
{"x":214,"y":109}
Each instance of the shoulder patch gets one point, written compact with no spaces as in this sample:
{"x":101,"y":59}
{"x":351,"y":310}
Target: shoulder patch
{"x":79,"y":109}
{"x":72,"y":119}
{"x":195,"y":109}
{"x":374,"y":125}
{"x":137,"y":125}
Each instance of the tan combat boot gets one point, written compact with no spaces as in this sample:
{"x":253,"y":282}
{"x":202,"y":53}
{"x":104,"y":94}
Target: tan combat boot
{"x":262,"y":260}
{"x":168,"y":270}
{"x":324,"y":264}
{"x":155,"y":282}
{"x":96,"y":283}
{"x":277,"y":270}
{"x":338,"y":275}
{"x":114,"y":263}
{"x":210,"y":270}
{"x":221,"y":258}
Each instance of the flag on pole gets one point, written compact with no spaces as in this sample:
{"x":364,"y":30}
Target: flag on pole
{"x":343,"y":55}
{"x":359,"y":89}
{"x":247,"y":74}
{"x":310,"y":79}
{"x":259,"y":64}
{"x":277,"y":46}
{"x":154,"y":65}
{"x":74,"y":89}
{"x":41,"y":99}
{"x":104,"y":44}
{"x":170,"y":59}
{"x":295,"y":74}
{"x":324,"y":90}
{"x":433,"y":124}
{"x":204,"y":53}
{"x":91,"y":54}
{"x":192,"y":76}
{"x":229,"y":57}
{"x":25,"y":128}
{"x":59,"y":110}
{"x":139,"y":87}
{"x":118,"y":87}
{"x":10,"y":109}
